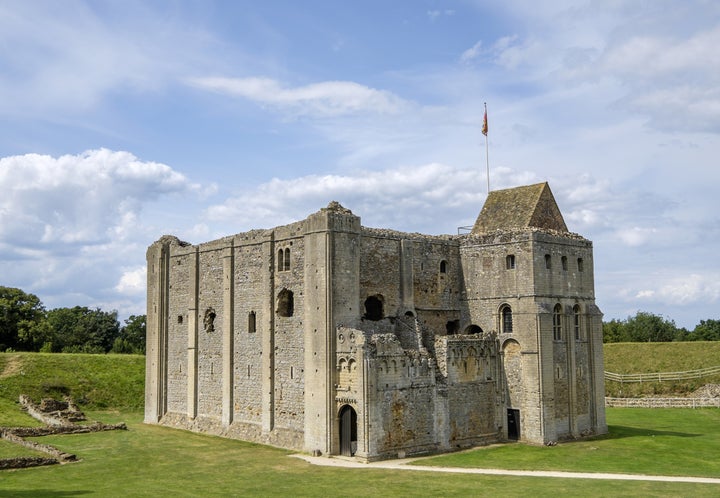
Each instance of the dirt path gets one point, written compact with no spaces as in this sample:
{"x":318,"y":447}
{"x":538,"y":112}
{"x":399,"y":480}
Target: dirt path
{"x":403,"y":465}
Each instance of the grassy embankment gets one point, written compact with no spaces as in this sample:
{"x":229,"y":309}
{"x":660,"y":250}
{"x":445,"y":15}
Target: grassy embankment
{"x":157,"y":461}
{"x":651,"y":357}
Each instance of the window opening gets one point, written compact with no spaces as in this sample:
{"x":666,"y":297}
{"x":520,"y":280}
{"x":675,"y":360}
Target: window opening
{"x":281,"y":259}
{"x":506,"y":322}
{"x":287,"y":259}
{"x":548,"y":261}
{"x":374,"y":308}
{"x":580,"y":264}
{"x":443,"y":266}
{"x":564,"y":263}
{"x":251,"y":322}
{"x":510,"y":262}
{"x":285,"y":303}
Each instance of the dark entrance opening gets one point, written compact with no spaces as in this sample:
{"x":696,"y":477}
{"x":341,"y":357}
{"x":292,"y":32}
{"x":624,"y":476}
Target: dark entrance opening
{"x":348,"y":431}
{"x":513,"y":424}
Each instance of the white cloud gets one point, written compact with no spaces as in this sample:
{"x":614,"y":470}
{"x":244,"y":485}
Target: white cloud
{"x":328,"y":98}
{"x":133,"y":281}
{"x":81,"y":199}
{"x":684,"y":290}
{"x":424,"y":198}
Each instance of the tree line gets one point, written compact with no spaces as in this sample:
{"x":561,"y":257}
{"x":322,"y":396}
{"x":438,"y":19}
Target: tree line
{"x":25,"y":325}
{"x":647,"y":327}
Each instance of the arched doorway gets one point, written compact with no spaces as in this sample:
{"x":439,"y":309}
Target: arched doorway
{"x":348,"y":431}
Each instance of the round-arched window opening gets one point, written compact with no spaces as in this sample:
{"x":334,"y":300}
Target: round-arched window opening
{"x":409,"y":314}
{"x":443,"y":266}
{"x":473,"y":329}
{"x":285,"y":303}
{"x":374,"y":308}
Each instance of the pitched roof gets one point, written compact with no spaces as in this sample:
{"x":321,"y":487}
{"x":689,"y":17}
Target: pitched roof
{"x":520,"y":207}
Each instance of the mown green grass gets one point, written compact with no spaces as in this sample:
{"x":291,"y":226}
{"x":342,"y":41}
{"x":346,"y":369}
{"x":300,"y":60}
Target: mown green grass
{"x":650,"y":357}
{"x":150,"y":460}
{"x":676,"y":442}
{"x":157,"y":461}
{"x":94,"y":381}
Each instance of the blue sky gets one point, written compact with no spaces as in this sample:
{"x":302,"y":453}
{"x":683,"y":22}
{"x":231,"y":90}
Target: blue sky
{"x":123,"y":121}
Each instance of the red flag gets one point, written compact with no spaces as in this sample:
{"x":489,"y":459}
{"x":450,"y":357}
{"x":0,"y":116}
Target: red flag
{"x":485,"y":125}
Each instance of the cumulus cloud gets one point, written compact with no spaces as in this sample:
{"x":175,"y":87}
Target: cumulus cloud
{"x":684,"y":290}
{"x":132,"y":281}
{"x":327,"y":98}
{"x":424,"y":198}
{"x":82,"y":199}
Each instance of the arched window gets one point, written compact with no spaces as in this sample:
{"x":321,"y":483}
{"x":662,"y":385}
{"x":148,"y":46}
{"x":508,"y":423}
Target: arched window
{"x":374,"y":308}
{"x":506,"y":322}
{"x":576,"y":322}
{"x":285,"y":303}
{"x":473,"y":329}
{"x":564,"y":263}
{"x":280,"y":260}
{"x":510,"y":262}
{"x":251,"y":322}
{"x":443,"y":266}
{"x":287,"y":259}
{"x":548,"y":261}
{"x":557,"y":323}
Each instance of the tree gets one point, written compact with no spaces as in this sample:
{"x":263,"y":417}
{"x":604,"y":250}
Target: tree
{"x":706,"y":330}
{"x":614,"y":331}
{"x":82,"y":330}
{"x":21,"y":319}
{"x":647,"y":327}
{"x":132,"y":336}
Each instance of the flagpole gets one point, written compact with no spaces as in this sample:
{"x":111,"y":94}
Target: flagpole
{"x":487,"y":149}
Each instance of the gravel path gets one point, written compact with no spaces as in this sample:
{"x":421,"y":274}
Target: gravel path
{"x":402,"y":464}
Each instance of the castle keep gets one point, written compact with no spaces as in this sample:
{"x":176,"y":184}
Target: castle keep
{"x":334,"y":338}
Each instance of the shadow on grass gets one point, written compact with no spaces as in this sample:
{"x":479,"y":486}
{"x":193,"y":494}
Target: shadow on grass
{"x":621,"y":431}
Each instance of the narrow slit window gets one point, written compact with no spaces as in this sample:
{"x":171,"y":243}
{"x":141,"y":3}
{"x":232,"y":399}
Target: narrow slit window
{"x":443,"y":266}
{"x":287,"y":259}
{"x":548,"y":261}
{"x":280,"y":260}
{"x":581,"y":267}
{"x":557,"y":323}
{"x":564,"y":263}
{"x":251,"y":322}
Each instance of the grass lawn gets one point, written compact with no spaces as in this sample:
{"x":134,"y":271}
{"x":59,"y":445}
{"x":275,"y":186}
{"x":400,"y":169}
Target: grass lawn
{"x":677,"y":442}
{"x":157,"y":461}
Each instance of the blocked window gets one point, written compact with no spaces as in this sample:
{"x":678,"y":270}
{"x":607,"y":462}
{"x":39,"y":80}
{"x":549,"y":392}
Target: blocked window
{"x":374,"y":308}
{"x":443,"y":266}
{"x":581,"y":267}
{"x":576,"y":322}
{"x":287,"y":259}
{"x":251,"y":322}
{"x":563,"y":260}
{"x":285,"y":303}
{"x":510,"y":262}
{"x":506,"y":321}
{"x":548,"y":261}
{"x":557,"y":323}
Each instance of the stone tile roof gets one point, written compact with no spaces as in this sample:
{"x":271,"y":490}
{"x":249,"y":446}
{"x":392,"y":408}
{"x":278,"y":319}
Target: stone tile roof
{"x":520,"y":207}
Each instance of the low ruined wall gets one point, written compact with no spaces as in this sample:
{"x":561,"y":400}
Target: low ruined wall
{"x":662,"y":402}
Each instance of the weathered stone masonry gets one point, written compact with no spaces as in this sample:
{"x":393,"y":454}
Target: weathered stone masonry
{"x":334,"y":338}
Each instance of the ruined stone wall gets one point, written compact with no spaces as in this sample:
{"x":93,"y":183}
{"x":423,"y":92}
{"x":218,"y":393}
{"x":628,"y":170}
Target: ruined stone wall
{"x":177,"y":372}
{"x":251,"y":265}
{"x":288,"y":351}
